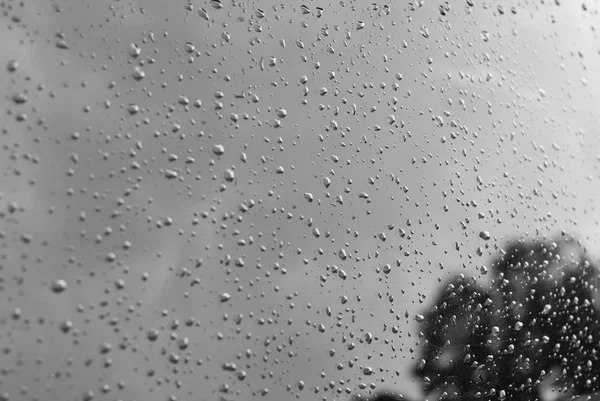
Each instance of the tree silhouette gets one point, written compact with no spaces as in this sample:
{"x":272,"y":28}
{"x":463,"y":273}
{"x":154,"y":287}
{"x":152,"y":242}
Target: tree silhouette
{"x":502,"y":342}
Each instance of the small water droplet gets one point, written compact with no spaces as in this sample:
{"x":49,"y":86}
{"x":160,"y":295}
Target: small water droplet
{"x":229,"y":175}
{"x":138,"y":74}
{"x":59,"y":286}
{"x":12,"y":65}
{"x":203,"y":14}
{"x":281,"y":112}
{"x":134,"y":50}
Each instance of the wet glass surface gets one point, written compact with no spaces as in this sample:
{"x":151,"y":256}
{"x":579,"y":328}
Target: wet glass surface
{"x":225,"y":200}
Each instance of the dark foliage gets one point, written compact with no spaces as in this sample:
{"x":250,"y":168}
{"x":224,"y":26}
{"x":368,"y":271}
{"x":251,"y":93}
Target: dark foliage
{"x":502,"y":342}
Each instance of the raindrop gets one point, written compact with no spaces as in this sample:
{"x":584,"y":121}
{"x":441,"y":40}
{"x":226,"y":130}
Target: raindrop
{"x":12,"y":65}
{"x":62,"y":44}
{"x":152,"y":334}
{"x":281,"y":112}
{"x":19,"y":98}
{"x":59,"y":286}
{"x":203,"y":14}
{"x":189,"y":47}
{"x":218,"y":150}
{"x":182,"y":100}
{"x":216,"y":4}
{"x":66,"y":326}
{"x":171,"y":174}
{"x":424,"y":31}
{"x":138,"y":74}
{"x":134,"y":50}
{"x":133,"y":109}
{"x":229,"y":175}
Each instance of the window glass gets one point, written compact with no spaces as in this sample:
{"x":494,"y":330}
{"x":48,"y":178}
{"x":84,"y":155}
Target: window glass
{"x":231,"y":200}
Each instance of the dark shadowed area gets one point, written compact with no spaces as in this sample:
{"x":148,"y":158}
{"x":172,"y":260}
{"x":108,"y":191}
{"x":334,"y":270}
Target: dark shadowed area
{"x":533,"y":334}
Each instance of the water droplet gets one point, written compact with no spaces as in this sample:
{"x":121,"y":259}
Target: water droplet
{"x":62,"y":44}
{"x":424,"y":31}
{"x":171,"y":174}
{"x":229,"y":175}
{"x":19,"y":98}
{"x":59,"y":286}
{"x":203,"y":14}
{"x":133,"y":109}
{"x":66,"y":326}
{"x":218,"y":150}
{"x":188,"y":47}
{"x":134,"y":50}
{"x":216,"y":4}
{"x":152,"y":334}
{"x":138,"y":74}
{"x":12,"y":65}
{"x":281,"y":112}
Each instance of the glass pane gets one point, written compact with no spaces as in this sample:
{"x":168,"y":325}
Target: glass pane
{"x":225,"y":200}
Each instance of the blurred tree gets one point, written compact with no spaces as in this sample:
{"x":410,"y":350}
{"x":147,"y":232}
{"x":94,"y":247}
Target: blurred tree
{"x":535,"y":321}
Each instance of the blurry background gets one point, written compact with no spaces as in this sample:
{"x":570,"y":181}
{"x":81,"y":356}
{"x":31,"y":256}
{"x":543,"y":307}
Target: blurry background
{"x":255,"y":200}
